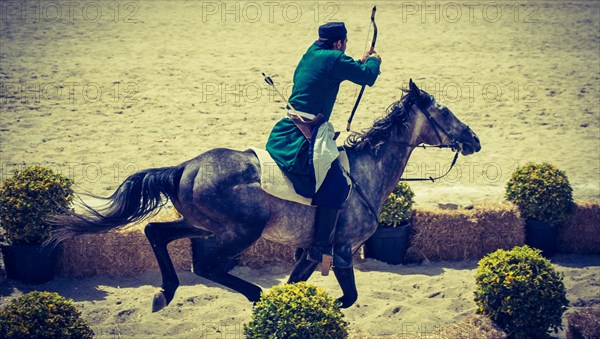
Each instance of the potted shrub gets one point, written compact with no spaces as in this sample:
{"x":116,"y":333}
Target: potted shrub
{"x":26,"y":200}
{"x":2,"y":270}
{"x":299,"y":310}
{"x":521,"y":292}
{"x":390,"y":241}
{"x":544,"y":197}
{"x":43,"y":315}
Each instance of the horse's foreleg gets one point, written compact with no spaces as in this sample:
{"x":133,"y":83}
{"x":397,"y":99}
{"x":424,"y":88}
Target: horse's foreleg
{"x":213,"y":266}
{"x":160,"y":234}
{"x":345,"y":277}
{"x":303,"y":270}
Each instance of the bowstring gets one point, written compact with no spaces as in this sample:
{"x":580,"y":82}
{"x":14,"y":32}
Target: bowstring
{"x":363,"y":53}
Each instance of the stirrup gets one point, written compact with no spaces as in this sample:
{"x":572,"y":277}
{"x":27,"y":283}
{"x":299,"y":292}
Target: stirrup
{"x":326,"y":263}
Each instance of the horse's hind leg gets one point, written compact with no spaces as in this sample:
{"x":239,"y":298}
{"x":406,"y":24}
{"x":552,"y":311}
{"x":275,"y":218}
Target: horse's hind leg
{"x":160,"y":234}
{"x":213,"y":266}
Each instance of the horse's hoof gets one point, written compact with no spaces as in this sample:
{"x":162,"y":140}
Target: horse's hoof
{"x":254,"y":295}
{"x":159,"y":302}
{"x":344,"y":302}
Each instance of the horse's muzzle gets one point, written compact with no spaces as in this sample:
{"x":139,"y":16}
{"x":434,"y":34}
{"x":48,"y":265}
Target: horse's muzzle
{"x":469,"y":142}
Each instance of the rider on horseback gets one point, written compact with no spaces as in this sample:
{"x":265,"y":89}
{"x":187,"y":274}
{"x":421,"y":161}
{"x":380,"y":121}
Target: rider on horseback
{"x":303,"y":143}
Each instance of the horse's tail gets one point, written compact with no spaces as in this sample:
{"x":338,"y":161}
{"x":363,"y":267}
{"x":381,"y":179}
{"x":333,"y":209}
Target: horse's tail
{"x":139,"y":196}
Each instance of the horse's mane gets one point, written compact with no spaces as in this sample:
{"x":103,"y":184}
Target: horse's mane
{"x":396,"y":114}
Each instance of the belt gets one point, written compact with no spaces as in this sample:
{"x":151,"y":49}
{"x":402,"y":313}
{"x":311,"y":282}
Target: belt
{"x":302,"y":114}
{"x":305,"y":126}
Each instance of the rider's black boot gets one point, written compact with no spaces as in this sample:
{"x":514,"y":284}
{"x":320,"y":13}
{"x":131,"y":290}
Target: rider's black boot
{"x":325,"y":222}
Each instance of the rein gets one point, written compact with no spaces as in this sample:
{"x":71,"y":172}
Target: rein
{"x":436,"y":178}
{"x":436,"y":128}
{"x":363,"y":196}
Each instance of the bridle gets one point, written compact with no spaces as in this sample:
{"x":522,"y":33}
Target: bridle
{"x":437,"y":128}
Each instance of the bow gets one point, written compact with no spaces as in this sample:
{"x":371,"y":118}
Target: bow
{"x":362,"y":89}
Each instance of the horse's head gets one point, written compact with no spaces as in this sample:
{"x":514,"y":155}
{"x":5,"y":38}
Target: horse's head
{"x":440,"y":126}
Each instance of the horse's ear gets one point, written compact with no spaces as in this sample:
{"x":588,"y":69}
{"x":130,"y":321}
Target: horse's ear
{"x":413,"y":88}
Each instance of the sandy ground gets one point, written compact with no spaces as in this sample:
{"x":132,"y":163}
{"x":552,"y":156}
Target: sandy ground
{"x":104,"y":90}
{"x":107,"y":88}
{"x":394,"y":301}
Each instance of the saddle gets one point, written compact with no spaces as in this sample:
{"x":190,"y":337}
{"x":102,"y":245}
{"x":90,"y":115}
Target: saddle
{"x":274,"y":181}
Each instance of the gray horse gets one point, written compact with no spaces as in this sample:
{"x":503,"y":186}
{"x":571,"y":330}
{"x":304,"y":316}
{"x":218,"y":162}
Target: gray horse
{"x":219,"y":193}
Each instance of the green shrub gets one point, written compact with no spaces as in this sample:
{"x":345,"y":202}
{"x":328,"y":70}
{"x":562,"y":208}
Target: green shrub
{"x":398,"y":206}
{"x":296,"y":311}
{"x":43,"y":315}
{"x":520,"y":290}
{"x":541,"y":191}
{"x":27,"y":198}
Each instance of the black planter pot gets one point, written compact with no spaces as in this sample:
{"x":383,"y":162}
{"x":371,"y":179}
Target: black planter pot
{"x":541,"y":235}
{"x":202,"y":248}
{"x":31,"y":264}
{"x":2,"y":270}
{"x":389,"y":244}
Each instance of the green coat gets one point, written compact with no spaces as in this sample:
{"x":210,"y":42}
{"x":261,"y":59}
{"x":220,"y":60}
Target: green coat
{"x":316,"y":84}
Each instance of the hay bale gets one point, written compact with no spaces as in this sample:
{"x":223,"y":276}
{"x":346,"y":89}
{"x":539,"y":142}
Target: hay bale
{"x":264,"y":253}
{"x":443,"y":235}
{"x":463,"y":234}
{"x":267,"y":253}
{"x":436,"y":235}
{"x":503,"y":227}
{"x":584,"y":323}
{"x":118,"y":253}
{"x":474,"y":326}
{"x":581,"y":233}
